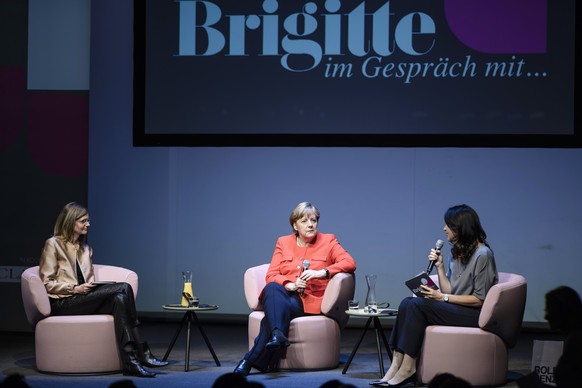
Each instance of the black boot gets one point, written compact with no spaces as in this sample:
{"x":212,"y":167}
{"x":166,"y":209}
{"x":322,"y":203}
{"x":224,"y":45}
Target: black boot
{"x":243,"y":367}
{"x":147,"y":358}
{"x":132,"y":367}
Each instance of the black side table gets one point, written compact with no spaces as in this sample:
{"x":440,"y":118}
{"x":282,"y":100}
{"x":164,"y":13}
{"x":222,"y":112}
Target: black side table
{"x":189,"y":317}
{"x":372,"y":317}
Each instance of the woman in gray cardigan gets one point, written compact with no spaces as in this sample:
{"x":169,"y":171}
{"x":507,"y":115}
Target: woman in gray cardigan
{"x":464,"y":283}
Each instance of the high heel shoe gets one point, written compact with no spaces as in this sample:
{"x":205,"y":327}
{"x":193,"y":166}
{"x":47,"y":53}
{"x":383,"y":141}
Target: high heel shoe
{"x":147,"y":358}
{"x":379,"y":383}
{"x":243,"y":367}
{"x":277,"y":341}
{"x":407,"y":382}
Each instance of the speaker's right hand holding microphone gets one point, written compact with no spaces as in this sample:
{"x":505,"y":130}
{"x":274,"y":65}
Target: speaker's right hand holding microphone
{"x":436,"y":258}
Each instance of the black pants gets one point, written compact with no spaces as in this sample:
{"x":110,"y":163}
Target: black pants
{"x":415,"y":314}
{"x":115,"y":299}
{"x":280,"y":307}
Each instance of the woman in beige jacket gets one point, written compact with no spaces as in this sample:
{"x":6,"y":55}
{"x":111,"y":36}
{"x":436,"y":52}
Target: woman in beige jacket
{"x":66,"y":269}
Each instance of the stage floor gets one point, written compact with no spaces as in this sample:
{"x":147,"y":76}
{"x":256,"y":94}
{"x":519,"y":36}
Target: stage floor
{"x":230,"y":343}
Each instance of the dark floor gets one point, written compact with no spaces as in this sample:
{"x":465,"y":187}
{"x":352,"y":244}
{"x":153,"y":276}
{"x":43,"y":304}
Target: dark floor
{"x":229,"y":342}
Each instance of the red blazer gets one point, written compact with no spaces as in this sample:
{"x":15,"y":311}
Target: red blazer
{"x":324,"y":252}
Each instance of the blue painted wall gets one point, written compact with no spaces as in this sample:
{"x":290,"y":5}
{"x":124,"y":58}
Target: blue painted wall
{"x":218,"y":211}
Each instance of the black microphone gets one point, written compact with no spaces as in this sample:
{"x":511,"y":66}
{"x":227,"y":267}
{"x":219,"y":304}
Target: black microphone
{"x":438,"y":245}
{"x":305,"y":268}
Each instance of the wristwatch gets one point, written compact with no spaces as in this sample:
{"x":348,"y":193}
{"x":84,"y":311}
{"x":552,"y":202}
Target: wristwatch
{"x":446,"y":298}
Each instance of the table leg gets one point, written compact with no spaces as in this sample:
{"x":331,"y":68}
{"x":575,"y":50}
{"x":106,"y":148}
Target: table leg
{"x":175,"y":337}
{"x":378,"y":329}
{"x":205,"y":339}
{"x":187,"y":359}
{"x":356,"y":347}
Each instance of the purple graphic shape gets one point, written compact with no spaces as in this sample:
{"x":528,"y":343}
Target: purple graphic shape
{"x":58,"y":131}
{"x":499,"y":26}
{"x":12,"y":92}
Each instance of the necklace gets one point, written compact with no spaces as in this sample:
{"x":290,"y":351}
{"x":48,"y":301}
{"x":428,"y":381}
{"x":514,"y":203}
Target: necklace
{"x":302,"y":243}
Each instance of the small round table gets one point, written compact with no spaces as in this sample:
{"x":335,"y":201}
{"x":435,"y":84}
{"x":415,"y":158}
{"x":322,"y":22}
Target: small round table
{"x":189,"y":317}
{"x":372,"y":317}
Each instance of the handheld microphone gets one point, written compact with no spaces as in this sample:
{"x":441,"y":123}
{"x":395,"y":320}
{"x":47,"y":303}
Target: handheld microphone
{"x":438,"y":245}
{"x":305,"y":268}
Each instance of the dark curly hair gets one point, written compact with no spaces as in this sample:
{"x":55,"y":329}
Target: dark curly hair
{"x":465,"y":223}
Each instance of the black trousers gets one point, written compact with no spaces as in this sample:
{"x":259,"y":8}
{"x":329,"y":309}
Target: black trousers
{"x":115,"y":299}
{"x":415,"y":314}
{"x":280,"y":307}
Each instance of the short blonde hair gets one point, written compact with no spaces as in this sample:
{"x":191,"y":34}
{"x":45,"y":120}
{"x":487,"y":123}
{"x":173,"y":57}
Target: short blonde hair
{"x":300,"y":211}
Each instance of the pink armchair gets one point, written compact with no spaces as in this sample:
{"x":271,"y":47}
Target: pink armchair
{"x":77,"y":343}
{"x":478,"y":355}
{"x":315,"y":340}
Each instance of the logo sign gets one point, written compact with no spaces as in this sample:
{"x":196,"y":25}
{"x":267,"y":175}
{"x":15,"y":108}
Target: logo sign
{"x":374,"y":67}
{"x":11,"y":274}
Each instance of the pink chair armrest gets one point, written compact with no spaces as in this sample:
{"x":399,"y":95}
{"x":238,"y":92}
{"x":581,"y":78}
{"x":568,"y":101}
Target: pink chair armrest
{"x":117,"y":274}
{"x":335,"y":299}
{"x":503,"y":307}
{"x":254,"y":282}
{"x":34,"y":296}
{"x":340,"y":289}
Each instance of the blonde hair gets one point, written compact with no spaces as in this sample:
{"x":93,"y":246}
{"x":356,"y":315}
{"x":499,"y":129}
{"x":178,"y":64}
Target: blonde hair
{"x":300,"y":211}
{"x":65,"y":224}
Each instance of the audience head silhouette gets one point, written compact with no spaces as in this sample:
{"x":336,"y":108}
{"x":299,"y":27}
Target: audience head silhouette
{"x":235,"y":380}
{"x":564,"y":309}
{"x":448,"y":380}
{"x":15,"y":380}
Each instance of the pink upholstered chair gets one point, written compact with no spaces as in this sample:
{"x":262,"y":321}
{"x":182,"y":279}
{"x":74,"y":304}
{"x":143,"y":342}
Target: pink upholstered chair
{"x":315,"y":340}
{"x":75,"y":343}
{"x":478,"y":355}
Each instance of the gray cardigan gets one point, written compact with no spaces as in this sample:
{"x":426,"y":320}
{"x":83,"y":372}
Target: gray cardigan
{"x":476,"y":277}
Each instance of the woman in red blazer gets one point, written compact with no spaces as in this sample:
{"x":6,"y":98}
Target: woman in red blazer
{"x":300,"y":269}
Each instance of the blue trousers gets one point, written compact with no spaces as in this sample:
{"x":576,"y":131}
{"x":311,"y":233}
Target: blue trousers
{"x":280,"y":307}
{"x":415,"y":314}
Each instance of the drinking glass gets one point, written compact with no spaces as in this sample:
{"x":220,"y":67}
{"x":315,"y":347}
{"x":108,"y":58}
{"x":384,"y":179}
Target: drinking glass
{"x":187,"y":276}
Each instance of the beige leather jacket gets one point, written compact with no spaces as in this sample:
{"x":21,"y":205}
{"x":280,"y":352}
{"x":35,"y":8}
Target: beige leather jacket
{"x":58,"y":269}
